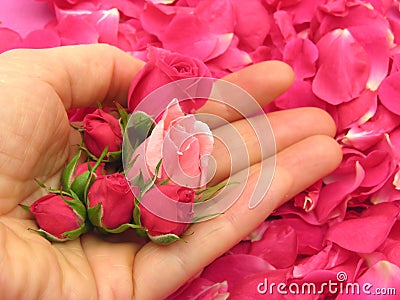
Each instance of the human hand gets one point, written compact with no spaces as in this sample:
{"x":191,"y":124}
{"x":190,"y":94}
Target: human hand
{"x":37,"y":86}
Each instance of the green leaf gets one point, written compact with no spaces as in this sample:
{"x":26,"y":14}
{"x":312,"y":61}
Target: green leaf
{"x":68,"y":171}
{"x":165,"y":239}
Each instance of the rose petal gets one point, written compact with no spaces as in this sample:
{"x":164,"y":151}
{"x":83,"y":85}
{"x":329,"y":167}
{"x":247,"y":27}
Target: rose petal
{"x":340,"y":78}
{"x":278,"y":245}
{"x":367,"y":232}
{"x":9,"y":39}
{"x":389,"y":93}
{"x":302,"y":55}
{"x":233,"y":268}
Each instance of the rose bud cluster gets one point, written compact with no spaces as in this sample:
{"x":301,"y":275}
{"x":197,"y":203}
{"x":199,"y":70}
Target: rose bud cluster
{"x":99,"y":193}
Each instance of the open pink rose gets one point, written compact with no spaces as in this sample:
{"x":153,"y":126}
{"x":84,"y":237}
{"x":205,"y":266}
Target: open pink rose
{"x":101,"y":130}
{"x":162,"y":68}
{"x":182,"y":143}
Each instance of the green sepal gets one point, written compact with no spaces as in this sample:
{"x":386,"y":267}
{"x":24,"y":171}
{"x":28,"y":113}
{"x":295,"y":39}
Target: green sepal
{"x":68,"y":171}
{"x":136,"y":220}
{"x":119,"y":229}
{"x":207,"y":193}
{"x":80,"y":184}
{"x":50,"y":190}
{"x":74,"y":234}
{"x":114,"y":156}
{"x":165,"y":239}
{"x":123,"y":114}
{"x":95,"y":214}
{"x":139,"y":181}
{"x":25,"y":207}
{"x":196,"y":219}
{"x":67,"y":236}
{"x":141,"y":125}
{"x":80,"y":129}
{"x":151,"y":182}
{"x":108,"y":157}
{"x":48,"y":236}
{"x":77,"y":205}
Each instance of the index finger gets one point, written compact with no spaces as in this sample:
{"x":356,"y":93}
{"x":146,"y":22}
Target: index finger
{"x":264,"y":81}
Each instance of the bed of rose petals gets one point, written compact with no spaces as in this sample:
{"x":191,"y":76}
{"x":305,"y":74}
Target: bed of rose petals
{"x":346,"y":58}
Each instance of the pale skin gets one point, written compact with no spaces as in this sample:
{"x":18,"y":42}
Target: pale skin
{"x":37,"y":86}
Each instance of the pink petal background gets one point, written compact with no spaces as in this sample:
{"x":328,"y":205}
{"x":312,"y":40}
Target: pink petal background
{"x":346,"y":58}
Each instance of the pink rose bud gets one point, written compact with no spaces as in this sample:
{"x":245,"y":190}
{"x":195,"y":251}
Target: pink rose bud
{"x":102,"y":130}
{"x":156,"y":203}
{"x":110,"y":201}
{"x":57,"y":216}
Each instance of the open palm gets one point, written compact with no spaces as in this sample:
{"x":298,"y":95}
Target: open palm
{"x":37,"y":86}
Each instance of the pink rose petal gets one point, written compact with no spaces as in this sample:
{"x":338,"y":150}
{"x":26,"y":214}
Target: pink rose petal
{"x":278,"y":245}
{"x":332,"y":200}
{"x":340,"y":78}
{"x":367,"y":232}
{"x":389,"y":93}
{"x":201,"y":289}
{"x":234,"y":268}
{"x":9,"y":39}
{"x":381,"y":281}
{"x":301,"y":55}
{"x":252,"y":23}
{"x":357,"y":111}
{"x":42,"y":39}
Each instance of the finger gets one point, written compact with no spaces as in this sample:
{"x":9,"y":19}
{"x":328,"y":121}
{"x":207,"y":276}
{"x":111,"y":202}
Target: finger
{"x":319,"y":156}
{"x":263,"y":81}
{"x":243,"y":143}
{"x":80,"y":75}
